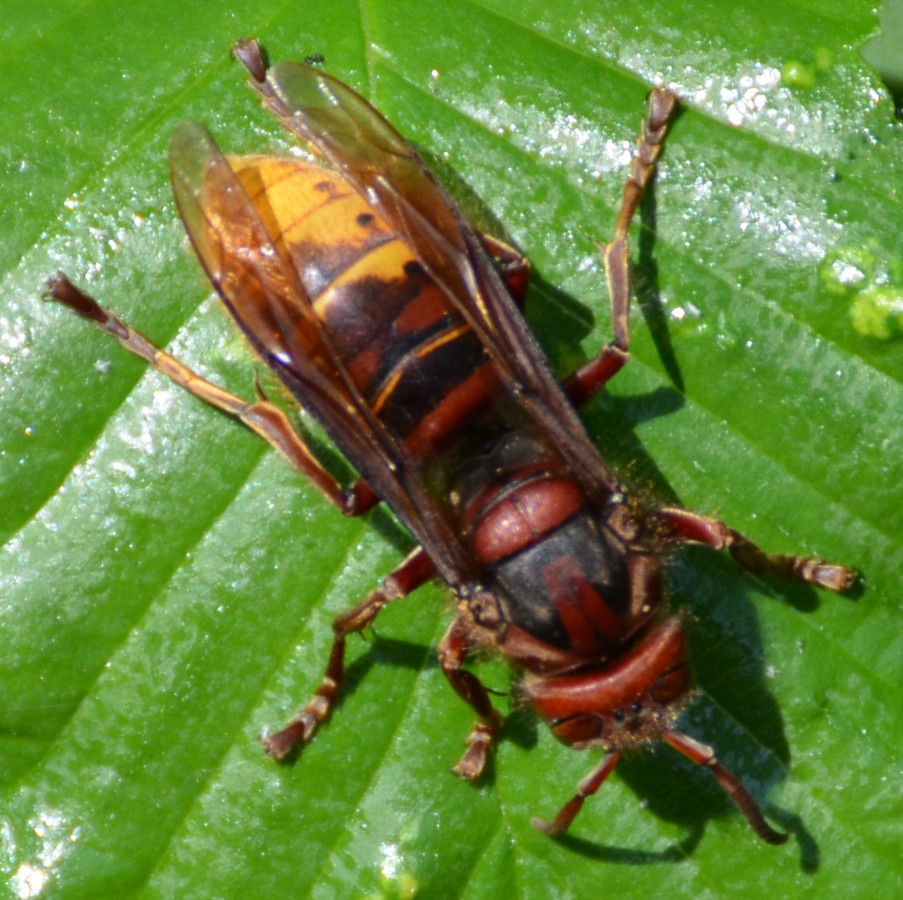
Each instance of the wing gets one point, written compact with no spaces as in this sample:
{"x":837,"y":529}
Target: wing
{"x":345,"y":130}
{"x":263,"y":292}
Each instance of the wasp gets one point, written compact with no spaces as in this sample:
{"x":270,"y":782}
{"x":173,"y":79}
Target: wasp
{"x":357,"y":280}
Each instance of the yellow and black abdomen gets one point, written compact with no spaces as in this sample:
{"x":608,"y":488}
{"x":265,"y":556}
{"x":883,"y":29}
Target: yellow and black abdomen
{"x":398,"y":335}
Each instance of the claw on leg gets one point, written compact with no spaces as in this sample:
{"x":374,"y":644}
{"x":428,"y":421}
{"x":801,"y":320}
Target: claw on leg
{"x":479,"y":745}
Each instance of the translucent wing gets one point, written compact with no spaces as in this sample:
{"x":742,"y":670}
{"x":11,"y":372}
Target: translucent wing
{"x":342,"y":128}
{"x":262,"y":290}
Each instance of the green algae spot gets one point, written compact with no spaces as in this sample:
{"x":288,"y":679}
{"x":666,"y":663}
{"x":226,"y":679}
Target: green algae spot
{"x":877,"y":312}
{"x":872,"y":283}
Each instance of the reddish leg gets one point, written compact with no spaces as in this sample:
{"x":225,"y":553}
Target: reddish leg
{"x":586,"y":788}
{"x":261,"y":416}
{"x":593,"y":375}
{"x":268,"y":421}
{"x":453,"y":650}
{"x":515,"y":268}
{"x":700,"y":754}
{"x":413,"y":572}
{"x":703,"y":755}
{"x":690,"y":527}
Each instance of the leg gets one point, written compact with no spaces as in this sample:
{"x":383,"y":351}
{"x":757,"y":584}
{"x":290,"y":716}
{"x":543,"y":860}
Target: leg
{"x":730,"y":784}
{"x":453,"y":650}
{"x":689,"y":527}
{"x":413,"y":572}
{"x":694,"y":751}
{"x":592,"y":376}
{"x":262,"y":417}
{"x":515,"y":268}
{"x":586,"y":788}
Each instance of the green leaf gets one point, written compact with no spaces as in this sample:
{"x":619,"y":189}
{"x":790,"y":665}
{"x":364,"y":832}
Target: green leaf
{"x":166,"y":585}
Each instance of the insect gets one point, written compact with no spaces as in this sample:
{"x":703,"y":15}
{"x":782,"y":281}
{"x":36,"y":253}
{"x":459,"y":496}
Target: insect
{"x":359,"y":283}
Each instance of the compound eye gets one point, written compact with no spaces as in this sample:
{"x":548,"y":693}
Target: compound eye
{"x":671,"y":685}
{"x":578,"y":729}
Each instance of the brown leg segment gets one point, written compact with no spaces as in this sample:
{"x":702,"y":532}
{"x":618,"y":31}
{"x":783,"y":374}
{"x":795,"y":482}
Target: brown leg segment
{"x":698,"y":753}
{"x":703,"y":755}
{"x":515,"y":268}
{"x":453,"y":650}
{"x":261,"y":416}
{"x":586,"y":788}
{"x":592,"y":376}
{"x":690,"y":527}
{"x":414,"y":571}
